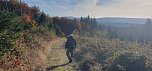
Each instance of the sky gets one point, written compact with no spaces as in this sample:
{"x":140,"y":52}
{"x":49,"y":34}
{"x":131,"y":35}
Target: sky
{"x":95,"y":8}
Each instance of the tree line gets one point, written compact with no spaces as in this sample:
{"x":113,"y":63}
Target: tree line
{"x":135,"y":32}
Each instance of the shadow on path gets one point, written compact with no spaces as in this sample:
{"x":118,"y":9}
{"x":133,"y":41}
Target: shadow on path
{"x":56,"y":66}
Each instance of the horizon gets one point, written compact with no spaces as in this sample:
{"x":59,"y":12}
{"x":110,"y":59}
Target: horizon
{"x":108,"y":17}
{"x":95,"y":8}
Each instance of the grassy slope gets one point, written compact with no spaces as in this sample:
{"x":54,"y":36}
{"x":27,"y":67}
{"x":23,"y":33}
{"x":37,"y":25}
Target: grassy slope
{"x":95,"y":54}
{"x":102,"y":54}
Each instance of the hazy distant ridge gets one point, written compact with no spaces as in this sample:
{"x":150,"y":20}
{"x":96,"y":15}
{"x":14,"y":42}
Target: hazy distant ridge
{"x":112,"y":20}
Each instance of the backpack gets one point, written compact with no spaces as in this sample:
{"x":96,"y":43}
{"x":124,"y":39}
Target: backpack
{"x":71,"y":43}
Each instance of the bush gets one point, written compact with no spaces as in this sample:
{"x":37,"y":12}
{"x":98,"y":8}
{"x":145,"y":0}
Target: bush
{"x":8,"y":34}
{"x":111,"y":54}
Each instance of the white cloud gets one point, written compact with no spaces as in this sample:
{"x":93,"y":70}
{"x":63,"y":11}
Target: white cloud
{"x":98,"y":8}
{"x":126,"y":8}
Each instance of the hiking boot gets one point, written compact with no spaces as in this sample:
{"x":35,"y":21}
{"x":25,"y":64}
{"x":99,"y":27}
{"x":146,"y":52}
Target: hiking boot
{"x":70,"y":61}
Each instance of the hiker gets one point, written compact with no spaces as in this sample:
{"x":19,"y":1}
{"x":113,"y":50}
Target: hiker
{"x":70,"y":46}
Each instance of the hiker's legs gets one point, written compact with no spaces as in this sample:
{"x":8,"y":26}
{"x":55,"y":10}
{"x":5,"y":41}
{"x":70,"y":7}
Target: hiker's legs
{"x":68,"y":55}
{"x":71,"y":53}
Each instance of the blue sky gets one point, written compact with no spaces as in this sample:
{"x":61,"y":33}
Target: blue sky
{"x":95,"y":8}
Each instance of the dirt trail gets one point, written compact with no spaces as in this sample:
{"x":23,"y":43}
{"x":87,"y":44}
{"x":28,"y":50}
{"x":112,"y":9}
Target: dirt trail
{"x":57,"y":60}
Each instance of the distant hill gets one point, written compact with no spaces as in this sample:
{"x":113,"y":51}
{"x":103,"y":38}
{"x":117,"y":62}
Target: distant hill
{"x":121,"y":21}
{"x":73,"y":17}
{"x":118,"y":21}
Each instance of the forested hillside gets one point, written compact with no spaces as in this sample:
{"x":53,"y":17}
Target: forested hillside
{"x":26,"y":33}
{"x":131,"y":32}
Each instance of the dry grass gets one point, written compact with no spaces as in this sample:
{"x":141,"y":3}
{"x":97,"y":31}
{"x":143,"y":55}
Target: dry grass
{"x":102,"y":54}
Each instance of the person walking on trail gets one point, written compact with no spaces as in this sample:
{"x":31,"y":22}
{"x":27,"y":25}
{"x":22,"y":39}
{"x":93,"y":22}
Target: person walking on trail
{"x":70,"y":46}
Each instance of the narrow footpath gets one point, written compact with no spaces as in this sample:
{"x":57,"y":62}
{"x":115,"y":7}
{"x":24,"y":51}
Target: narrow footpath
{"x":57,"y":60}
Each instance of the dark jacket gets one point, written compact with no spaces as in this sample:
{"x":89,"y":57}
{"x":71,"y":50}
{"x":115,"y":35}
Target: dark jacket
{"x":70,"y":43}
